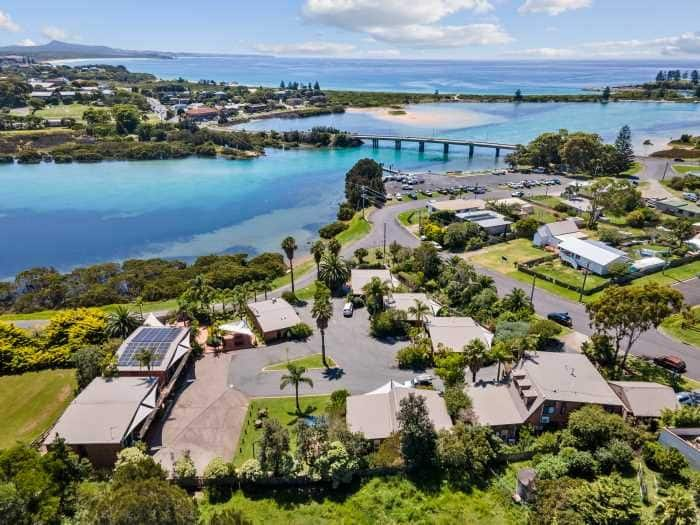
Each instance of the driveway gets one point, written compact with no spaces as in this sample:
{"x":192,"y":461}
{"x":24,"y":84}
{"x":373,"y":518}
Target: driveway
{"x":206,"y":417}
{"x":364,"y":363}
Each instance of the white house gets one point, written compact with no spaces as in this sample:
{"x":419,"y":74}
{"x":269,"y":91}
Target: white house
{"x":596,"y":256}
{"x":492,"y":222}
{"x":456,"y":205}
{"x":554,"y":233}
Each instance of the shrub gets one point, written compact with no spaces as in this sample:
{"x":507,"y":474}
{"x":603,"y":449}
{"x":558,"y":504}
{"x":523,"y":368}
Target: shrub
{"x":299,"y":331}
{"x":29,"y":156}
{"x":345,"y":212}
{"x":641,"y":217}
{"x":414,"y":357}
{"x":291,"y":298}
{"x":683,"y":417}
{"x":551,"y":467}
{"x":667,"y":461}
{"x":331,"y":230}
{"x":389,"y":323}
{"x":388,"y":454}
{"x":617,"y":455}
{"x":184,"y":467}
{"x":546,"y":443}
{"x":216,"y":475}
{"x":250,"y":471}
{"x":561,"y":207}
{"x":579,"y":462}
{"x":457,"y":402}
{"x":609,"y":235}
{"x":526,"y":228}
{"x":335,"y":464}
{"x":591,"y":427}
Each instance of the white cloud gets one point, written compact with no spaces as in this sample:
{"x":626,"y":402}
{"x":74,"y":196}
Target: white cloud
{"x":413,"y":23}
{"x":7,"y":23}
{"x":383,"y":53}
{"x":547,"y":52}
{"x":54,"y":33}
{"x":553,"y":7}
{"x":436,"y":36}
{"x":26,"y":42}
{"x":306,"y":49}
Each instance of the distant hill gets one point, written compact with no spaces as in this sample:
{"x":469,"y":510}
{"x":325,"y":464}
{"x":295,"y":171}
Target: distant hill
{"x":56,"y":50}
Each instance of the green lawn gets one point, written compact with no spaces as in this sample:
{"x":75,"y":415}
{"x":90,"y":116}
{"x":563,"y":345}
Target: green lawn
{"x":358,"y":228}
{"x":564,"y":273}
{"x":282,"y":409}
{"x":546,"y":200}
{"x":544,"y":215}
{"x":383,"y":500}
{"x":636,"y":168}
{"x":74,"y":111}
{"x":309,"y":362}
{"x":685,"y":169}
{"x":515,"y":251}
{"x":155,"y":306}
{"x":690,"y":336}
{"x":673,"y":275}
{"x":301,"y":267}
{"x":410,"y":217}
{"x":32,"y":402}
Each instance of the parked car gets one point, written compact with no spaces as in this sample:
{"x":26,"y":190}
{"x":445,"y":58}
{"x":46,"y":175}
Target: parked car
{"x":348,"y":309}
{"x":422,"y":379}
{"x":413,"y":195}
{"x":398,"y":197}
{"x":517,"y":194}
{"x":690,"y":196}
{"x":686,"y":398}
{"x":437,"y":245}
{"x":428,"y":193}
{"x":479,"y":190}
{"x":671,"y":362}
{"x":562,"y":318}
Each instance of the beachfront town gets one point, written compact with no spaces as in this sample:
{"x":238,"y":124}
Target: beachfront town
{"x":528,"y":331}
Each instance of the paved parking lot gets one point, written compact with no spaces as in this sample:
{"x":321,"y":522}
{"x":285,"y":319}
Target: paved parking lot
{"x":364,"y":363}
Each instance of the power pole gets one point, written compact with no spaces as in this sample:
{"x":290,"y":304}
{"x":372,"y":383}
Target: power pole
{"x":384,"y":249}
{"x":583,"y":286}
{"x":665,"y":170}
{"x":532,"y":291}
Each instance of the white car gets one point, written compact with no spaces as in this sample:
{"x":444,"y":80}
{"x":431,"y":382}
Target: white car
{"x":399,"y":197}
{"x":348,"y":309}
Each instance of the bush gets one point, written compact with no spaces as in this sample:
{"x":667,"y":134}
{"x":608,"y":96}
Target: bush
{"x":29,"y":156}
{"x":250,"y":471}
{"x":184,"y":467}
{"x":457,"y":402}
{"x":414,"y":357}
{"x":641,"y":217}
{"x":667,"y":461}
{"x":331,"y":230}
{"x":551,"y":467}
{"x":617,"y":455}
{"x":216,"y":474}
{"x":389,"y":323}
{"x":526,"y":227}
{"x":300,"y":331}
{"x":579,"y":462}
{"x":609,"y":235}
{"x":291,"y":298}
{"x":345,"y":212}
{"x":546,"y":443}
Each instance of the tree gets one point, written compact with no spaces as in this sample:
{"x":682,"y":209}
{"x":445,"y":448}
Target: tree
{"x":517,"y":301}
{"x":606,"y":94}
{"x":126,"y":117}
{"x":682,"y":230}
{"x":89,"y":362}
{"x":360,"y":254}
{"x":317,"y":251}
{"x":145,"y":358}
{"x":526,"y":227}
{"x":591,"y":428}
{"x":419,"y":311}
{"x":295,"y":377}
{"x":375,"y":291}
{"x":289,"y":246}
{"x":450,"y":368}
{"x":363,"y":182}
{"x":467,"y":451}
{"x":418,"y":436}
{"x":475,"y":353}
{"x":518,"y":96}
{"x":333,"y":271}
{"x":273,"y":451}
{"x":683,"y":417}
{"x":457,"y":401}
{"x":607,"y":500}
{"x":334,"y":246}
{"x":121,"y":322}
{"x":623,"y":146}
{"x":678,"y":508}
{"x":625,"y":313}
{"x":322,"y":311}
{"x":502,"y":353}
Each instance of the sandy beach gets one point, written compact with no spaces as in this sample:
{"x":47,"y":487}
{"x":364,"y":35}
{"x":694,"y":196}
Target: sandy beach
{"x":425,"y":117}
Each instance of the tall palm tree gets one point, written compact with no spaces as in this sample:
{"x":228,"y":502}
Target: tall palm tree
{"x":289,"y":246}
{"x":419,"y":311}
{"x":502,"y":353}
{"x":295,"y":377}
{"x":475,"y":353}
{"x":266,"y":286}
{"x":145,"y":357}
{"x":121,"y":322}
{"x":334,"y":271}
{"x":334,"y":246}
{"x":374,"y":291}
{"x":322,"y":311}
{"x":317,"y":250}
{"x":516,"y":301}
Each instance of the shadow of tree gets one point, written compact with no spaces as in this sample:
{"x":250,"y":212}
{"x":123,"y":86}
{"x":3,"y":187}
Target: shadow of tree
{"x":333,"y":374}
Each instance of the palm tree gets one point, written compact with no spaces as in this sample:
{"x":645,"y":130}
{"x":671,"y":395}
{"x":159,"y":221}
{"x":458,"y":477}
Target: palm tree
{"x":317,"y":250}
{"x":475,"y":352}
{"x":289,"y":246}
{"x":419,"y":311}
{"x":502,"y":353}
{"x":121,"y":322}
{"x":374,"y":291}
{"x":334,"y":271}
{"x":516,"y":301}
{"x":266,"y":286}
{"x":145,"y":357}
{"x":322,"y":311}
{"x":295,"y":377}
{"x":334,"y":246}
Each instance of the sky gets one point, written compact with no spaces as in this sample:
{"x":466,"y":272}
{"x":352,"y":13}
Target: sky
{"x":408,"y":29}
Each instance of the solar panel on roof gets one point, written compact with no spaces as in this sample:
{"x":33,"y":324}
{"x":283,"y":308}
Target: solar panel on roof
{"x":131,"y":352}
{"x":156,"y":335}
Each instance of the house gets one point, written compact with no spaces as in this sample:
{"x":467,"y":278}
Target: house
{"x":492,"y":222}
{"x":644,"y":400}
{"x":647,"y":264}
{"x":684,"y":440}
{"x":106,"y":417}
{"x":456,"y":205}
{"x":255,"y":108}
{"x":555,"y":233}
{"x":359,"y":278}
{"x":404,"y":301}
{"x":166,"y":344}
{"x":237,"y":335}
{"x":677,"y":207}
{"x":273,"y":317}
{"x":455,"y":332}
{"x":375,"y":413}
{"x":542,"y":391}
{"x":202,"y":113}
{"x":523,"y":207}
{"x":595,"y":256}
{"x":41,"y":94}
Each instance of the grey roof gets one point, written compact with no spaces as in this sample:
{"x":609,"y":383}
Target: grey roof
{"x":645,"y":399}
{"x":404,"y":301}
{"x":274,"y":314}
{"x":106,"y":411}
{"x":458,"y":204}
{"x":496,"y":404}
{"x":594,"y":251}
{"x":455,"y":332}
{"x":168,"y":344}
{"x":375,"y":414}
{"x":560,"y":228}
{"x":359,"y":278}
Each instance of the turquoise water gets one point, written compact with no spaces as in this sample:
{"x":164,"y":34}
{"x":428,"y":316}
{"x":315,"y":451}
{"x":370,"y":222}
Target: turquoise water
{"x":68,"y":215}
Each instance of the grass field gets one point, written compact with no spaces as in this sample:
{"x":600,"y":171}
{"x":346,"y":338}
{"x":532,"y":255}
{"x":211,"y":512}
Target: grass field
{"x":383,"y":500}
{"x":690,"y":336}
{"x":309,"y":362}
{"x":636,"y":168}
{"x":155,"y":306}
{"x":543,"y":215}
{"x":410,"y":217}
{"x":673,"y":275}
{"x":685,"y":169}
{"x":503,"y":257}
{"x":32,"y":402}
{"x":558,"y":270}
{"x":74,"y":111}
{"x":546,"y":200}
{"x":283,"y":409}
{"x":358,"y":228}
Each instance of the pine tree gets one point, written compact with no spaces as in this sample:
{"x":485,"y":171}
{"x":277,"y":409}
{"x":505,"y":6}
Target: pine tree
{"x":694,"y":77}
{"x":606,"y":93}
{"x":518,"y":96}
{"x":282,"y":85}
{"x":625,"y":152}
{"x":317,"y":87}
{"x":660,"y":76}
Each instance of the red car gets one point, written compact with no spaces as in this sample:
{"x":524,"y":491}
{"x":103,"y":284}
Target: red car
{"x":671,"y":362}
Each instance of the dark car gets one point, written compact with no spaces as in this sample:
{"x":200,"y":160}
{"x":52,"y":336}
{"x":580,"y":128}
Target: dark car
{"x":562,"y":318}
{"x":671,"y":362}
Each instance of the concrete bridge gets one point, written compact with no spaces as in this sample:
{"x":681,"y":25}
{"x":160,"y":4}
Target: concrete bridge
{"x":446,"y":143}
